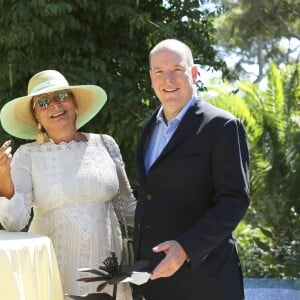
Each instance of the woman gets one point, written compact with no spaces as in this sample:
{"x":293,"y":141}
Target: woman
{"x":71,"y":179}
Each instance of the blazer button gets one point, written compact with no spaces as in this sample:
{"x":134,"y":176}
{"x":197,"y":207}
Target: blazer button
{"x":149,"y":197}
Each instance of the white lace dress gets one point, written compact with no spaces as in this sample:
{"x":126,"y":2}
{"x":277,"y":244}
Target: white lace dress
{"x":73,"y":189}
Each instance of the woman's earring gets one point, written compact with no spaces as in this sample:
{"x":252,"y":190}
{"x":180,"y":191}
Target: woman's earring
{"x":40,"y":137}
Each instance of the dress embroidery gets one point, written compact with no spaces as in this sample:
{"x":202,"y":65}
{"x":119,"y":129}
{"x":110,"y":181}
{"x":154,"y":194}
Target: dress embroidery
{"x":72,"y":188}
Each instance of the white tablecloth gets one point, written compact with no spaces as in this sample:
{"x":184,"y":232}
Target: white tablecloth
{"x":28,"y":267}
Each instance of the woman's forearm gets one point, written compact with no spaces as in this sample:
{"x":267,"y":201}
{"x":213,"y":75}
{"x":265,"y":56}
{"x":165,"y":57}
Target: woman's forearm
{"x":7,"y":189}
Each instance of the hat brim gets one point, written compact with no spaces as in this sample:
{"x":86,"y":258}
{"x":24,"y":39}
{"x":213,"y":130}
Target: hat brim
{"x":17,"y":119}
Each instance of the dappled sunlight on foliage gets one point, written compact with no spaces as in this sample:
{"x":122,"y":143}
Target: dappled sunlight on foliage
{"x":269,"y":237}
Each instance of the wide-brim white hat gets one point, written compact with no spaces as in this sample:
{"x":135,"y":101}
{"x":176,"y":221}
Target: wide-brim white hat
{"x":16,"y":116}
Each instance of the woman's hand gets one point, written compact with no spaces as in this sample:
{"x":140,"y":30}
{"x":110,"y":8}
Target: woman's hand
{"x":6,"y":184}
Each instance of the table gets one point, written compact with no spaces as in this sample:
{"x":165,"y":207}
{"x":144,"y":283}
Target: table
{"x":28,"y":267}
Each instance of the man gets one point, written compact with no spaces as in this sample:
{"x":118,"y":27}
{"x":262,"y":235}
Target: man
{"x":193,"y":174}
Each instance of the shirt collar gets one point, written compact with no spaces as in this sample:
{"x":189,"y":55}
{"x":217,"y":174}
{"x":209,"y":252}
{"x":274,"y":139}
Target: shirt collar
{"x":160,"y":115}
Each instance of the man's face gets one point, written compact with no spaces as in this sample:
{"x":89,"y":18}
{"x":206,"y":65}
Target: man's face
{"x":172,"y":79}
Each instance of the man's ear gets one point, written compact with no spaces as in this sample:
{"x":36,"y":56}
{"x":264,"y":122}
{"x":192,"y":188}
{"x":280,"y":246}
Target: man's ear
{"x":195,"y":73}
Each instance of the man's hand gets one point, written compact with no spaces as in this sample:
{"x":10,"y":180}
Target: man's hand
{"x":175,"y":257}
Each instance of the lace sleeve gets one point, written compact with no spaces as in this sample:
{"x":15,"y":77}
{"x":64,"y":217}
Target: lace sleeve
{"x":15,"y":213}
{"x":125,"y":199}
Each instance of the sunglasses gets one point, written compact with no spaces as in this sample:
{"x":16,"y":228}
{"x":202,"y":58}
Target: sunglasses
{"x":45,"y":100}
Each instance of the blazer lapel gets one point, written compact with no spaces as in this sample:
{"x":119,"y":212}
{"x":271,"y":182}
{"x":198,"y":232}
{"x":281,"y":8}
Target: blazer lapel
{"x":185,"y":128}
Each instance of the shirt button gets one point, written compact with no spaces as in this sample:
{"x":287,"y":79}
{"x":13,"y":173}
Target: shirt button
{"x":149,"y":197}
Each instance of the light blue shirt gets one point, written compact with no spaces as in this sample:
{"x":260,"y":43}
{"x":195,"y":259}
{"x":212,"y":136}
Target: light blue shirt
{"x":162,"y":133}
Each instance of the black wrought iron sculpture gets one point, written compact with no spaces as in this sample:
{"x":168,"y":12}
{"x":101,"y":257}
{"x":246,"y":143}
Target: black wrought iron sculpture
{"x":109,"y":273}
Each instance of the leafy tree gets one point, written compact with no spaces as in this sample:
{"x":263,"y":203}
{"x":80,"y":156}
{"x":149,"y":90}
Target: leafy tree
{"x":271,"y":118}
{"x":100,"y":42}
{"x":252,"y":31}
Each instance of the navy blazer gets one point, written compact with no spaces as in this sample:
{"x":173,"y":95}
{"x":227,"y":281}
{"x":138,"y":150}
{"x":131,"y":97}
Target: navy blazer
{"x":196,"y":192}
